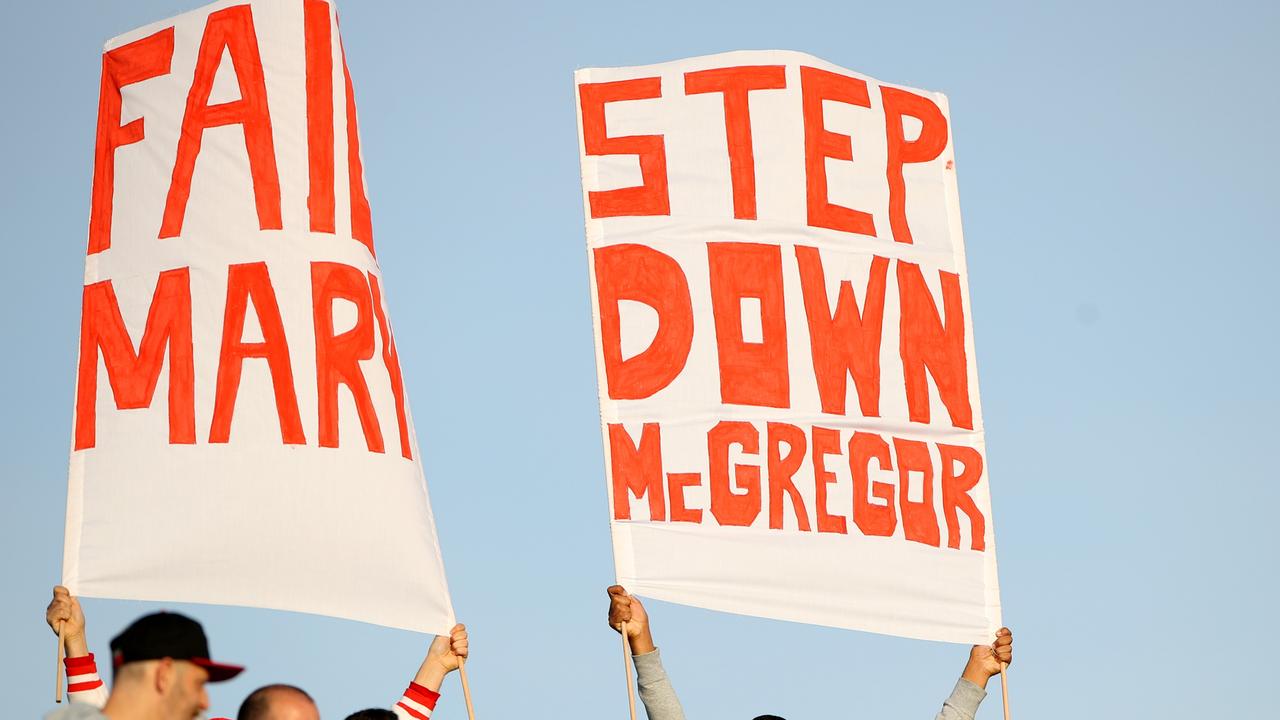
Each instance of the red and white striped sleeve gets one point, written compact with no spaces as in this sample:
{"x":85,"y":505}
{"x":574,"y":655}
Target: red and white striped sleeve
{"x":417,"y":703}
{"x":83,"y":684}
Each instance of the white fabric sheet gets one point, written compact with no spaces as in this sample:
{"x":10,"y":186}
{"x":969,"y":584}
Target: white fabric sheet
{"x":263,"y":517}
{"x":659,"y":145}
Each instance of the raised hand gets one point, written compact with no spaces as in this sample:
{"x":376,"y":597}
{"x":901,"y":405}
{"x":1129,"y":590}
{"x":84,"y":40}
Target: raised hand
{"x":443,"y":657}
{"x":985,"y":660}
{"x":449,"y":650}
{"x":624,"y":607}
{"x":65,"y":610}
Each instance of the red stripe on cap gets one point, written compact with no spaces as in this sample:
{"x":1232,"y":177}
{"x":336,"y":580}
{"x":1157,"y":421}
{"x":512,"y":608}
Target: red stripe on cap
{"x":217,"y":671}
{"x":422,"y":695}
{"x":412,"y":712}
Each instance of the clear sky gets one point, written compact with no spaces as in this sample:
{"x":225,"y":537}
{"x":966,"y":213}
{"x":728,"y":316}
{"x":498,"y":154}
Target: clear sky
{"x":1117,"y":168}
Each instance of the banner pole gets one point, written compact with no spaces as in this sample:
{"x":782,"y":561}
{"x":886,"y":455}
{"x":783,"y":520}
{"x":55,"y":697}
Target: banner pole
{"x":466,"y":688}
{"x":57,"y":667}
{"x":1004,"y":689}
{"x":626,"y":665}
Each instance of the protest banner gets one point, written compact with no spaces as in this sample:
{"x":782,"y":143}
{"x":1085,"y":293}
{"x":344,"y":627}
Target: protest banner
{"x":784,"y":346}
{"x":242,"y":434}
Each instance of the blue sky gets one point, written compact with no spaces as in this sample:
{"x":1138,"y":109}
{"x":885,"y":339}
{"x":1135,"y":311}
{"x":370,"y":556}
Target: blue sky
{"x":1116,"y":169}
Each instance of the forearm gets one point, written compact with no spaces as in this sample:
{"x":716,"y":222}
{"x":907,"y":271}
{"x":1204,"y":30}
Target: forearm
{"x":641,"y":642}
{"x":430,"y":675}
{"x":963,"y":702}
{"x":84,"y":686}
{"x":977,"y":676}
{"x":75,"y":645}
{"x":417,"y":703}
{"x":656,"y":693}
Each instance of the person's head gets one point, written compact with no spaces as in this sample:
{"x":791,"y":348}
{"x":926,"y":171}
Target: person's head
{"x":278,"y":702}
{"x":161,"y":664}
{"x":767,"y":717}
{"x":372,"y":714}
{"x":169,"y":688}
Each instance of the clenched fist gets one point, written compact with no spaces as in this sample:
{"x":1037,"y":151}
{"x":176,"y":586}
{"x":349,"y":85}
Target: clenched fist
{"x":985,"y":660}
{"x":448,"y":651}
{"x":443,"y":657}
{"x":626,"y":608}
{"x":65,"y":610}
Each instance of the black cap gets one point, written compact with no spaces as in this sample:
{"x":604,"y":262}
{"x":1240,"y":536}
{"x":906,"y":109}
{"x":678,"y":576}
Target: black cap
{"x":168,"y":635}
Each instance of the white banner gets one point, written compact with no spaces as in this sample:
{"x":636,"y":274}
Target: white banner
{"x":242,"y":434}
{"x":788,"y":391}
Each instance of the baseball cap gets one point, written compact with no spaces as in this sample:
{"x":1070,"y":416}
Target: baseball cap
{"x":168,"y":635}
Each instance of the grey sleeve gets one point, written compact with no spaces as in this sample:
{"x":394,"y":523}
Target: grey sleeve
{"x":963,"y":703}
{"x":659,"y":698}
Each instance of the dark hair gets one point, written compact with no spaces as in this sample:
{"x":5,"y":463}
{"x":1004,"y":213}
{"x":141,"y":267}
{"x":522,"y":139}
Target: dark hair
{"x":767,"y":717}
{"x":258,"y":705}
{"x":372,"y":714}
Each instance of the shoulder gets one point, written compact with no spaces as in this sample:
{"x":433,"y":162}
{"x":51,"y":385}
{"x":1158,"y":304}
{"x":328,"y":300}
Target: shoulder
{"x":75,"y":711}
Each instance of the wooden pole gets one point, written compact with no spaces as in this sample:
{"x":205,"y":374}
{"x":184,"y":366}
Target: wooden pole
{"x":466,"y":688}
{"x":1004,"y":689}
{"x":57,"y":667}
{"x":626,"y":664}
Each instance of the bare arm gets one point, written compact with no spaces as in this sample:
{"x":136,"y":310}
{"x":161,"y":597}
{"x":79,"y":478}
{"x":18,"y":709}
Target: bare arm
{"x":84,"y":686}
{"x":443,"y":657}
